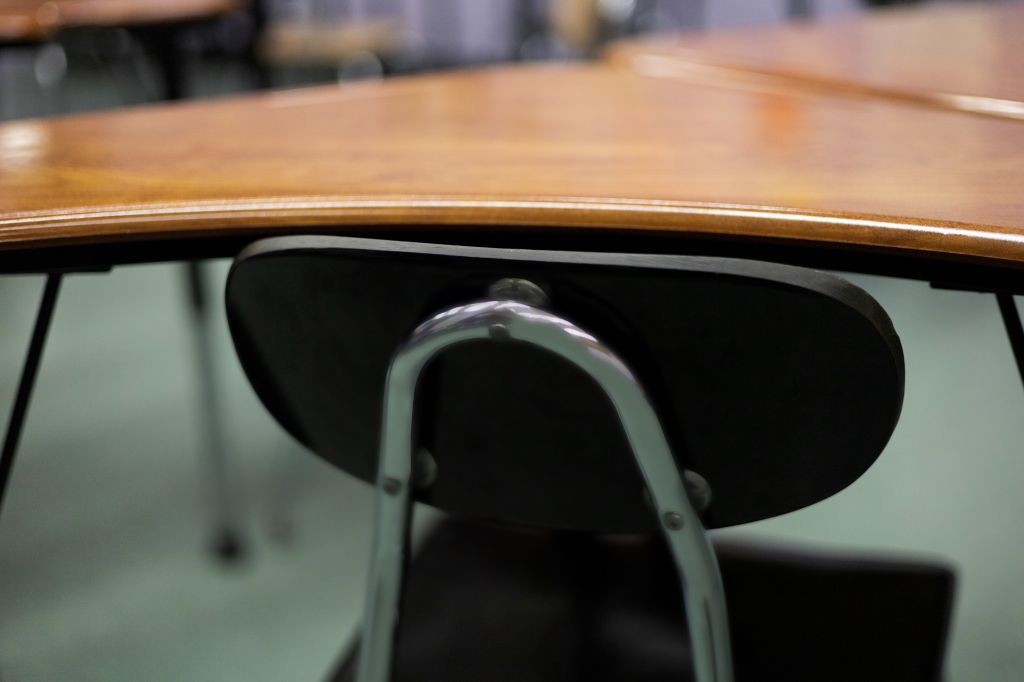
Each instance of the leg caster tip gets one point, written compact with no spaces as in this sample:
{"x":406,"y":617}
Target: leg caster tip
{"x":228,"y":548}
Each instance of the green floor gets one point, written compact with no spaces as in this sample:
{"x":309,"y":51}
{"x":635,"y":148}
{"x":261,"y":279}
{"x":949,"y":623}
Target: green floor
{"x":103,"y":574}
{"x":102,"y":570}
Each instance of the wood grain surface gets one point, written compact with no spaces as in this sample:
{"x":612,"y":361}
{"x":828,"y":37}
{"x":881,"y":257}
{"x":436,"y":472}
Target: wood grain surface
{"x":962,"y":56}
{"x":583,"y":148}
{"x":34,"y":20}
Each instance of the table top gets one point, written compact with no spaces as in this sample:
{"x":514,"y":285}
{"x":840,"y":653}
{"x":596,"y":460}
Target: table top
{"x":580,"y":148}
{"x":965,"y":56}
{"x":33,"y":20}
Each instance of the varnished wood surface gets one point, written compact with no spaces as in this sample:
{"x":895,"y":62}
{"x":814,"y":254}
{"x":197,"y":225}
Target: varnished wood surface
{"x":968,"y":57}
{"x":32,"y":20}
{"x":330,"y":44}
{"x":583,"y":148}
{"x":18,"y":21}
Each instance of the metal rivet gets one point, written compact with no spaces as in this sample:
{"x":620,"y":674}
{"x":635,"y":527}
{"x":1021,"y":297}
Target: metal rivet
{"x":392,"y":486}
{"x":698,"y":489}
{"x":673,"y":521}
{"x":517,"y":289}
{"x":425,"y":469}
{"x":499,"y":332}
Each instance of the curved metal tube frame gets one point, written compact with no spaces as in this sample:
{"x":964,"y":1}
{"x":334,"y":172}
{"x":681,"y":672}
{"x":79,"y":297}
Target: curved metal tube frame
{"x":515,"y":321}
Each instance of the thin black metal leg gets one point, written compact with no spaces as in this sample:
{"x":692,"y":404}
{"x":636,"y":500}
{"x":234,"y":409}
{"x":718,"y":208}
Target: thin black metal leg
{"x":799,"y":9}
{"x":28,"y":379}
{"x":162,"y":44}
{"x":1014,"y":330}
{"x":283,"y":496}
{"x":227,"y":541}
{"x":261,"y":75}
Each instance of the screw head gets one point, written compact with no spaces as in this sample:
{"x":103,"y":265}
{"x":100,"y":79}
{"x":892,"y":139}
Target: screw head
{"x":516,"y":289}
{"x":672,"y":521}
{"x":698,"y":489}
{"x":391,"y":486}
{"x":499,"y":332}
{"x":425,"y":470}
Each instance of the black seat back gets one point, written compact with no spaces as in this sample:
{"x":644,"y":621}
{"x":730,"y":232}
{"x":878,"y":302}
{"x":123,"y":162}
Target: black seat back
{"x":779,"y":385}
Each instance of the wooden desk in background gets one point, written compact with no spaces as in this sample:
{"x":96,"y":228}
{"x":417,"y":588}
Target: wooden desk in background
{"x":38,"y":20}
{"x":966,"y":56}
{"x":960,"y":58}
{"x":156,"y":24}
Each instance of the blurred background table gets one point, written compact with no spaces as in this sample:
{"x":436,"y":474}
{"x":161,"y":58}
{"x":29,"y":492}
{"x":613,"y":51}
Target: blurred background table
{"x":156,"y":24}
{"x":958,"y":56}
{"x":41,"y":19}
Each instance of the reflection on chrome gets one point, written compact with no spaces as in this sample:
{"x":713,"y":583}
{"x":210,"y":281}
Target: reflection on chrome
{"x":695,"y":560}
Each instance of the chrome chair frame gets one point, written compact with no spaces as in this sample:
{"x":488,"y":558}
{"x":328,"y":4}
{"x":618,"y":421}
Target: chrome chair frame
{"x":507,"y":321}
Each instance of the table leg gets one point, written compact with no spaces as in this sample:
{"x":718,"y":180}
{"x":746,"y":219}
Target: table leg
{"x":162,"y":44}
{"x":23,"y":396}
{"x":1014,"y":330}
{"x":262,"y":79}
{"x":799,"y":9}
{"x":227,"y":537}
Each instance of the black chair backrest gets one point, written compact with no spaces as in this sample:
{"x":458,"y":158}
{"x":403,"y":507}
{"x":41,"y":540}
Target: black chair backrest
{"x":779,"y":385}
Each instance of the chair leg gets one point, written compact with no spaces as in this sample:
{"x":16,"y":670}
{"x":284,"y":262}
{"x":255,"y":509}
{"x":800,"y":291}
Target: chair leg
{"x":506,"y":321}
{"x":23,"y":396}
{"x":226,"y":543}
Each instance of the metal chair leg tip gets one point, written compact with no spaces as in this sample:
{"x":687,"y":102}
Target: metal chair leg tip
{"x":228,"y":548}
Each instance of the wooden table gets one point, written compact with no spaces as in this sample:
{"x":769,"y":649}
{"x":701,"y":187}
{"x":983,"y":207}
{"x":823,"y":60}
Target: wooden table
{"x":959,"y":58}
{"x":156,"y":24}
{"x":36,"y":20}
{"x":531,"y":153}
{"x":966,"y":57}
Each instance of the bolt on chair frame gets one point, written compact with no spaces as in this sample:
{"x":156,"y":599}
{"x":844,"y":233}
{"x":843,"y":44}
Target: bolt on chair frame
{"x":508,"y":321}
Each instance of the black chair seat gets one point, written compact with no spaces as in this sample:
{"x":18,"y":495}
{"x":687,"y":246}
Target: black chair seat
{"x":485,"y":603}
